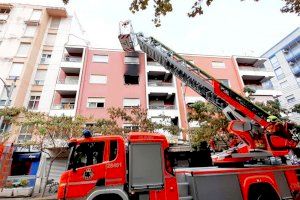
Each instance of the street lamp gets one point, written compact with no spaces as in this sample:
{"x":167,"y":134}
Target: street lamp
{"x":9,"y":91}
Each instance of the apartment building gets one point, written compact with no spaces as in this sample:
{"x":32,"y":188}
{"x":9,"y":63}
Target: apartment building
{"x":284,"y":59}
{"x":42,"y":52}
{"x":256,"y":76}
{"x":111,"y":78}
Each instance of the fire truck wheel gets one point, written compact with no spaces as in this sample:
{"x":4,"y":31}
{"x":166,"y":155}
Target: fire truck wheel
{"x":108,"y":197}
{"x":262,"y":192}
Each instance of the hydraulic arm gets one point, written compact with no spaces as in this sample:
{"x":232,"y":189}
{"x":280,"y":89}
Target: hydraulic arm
{"x":242,"y":113}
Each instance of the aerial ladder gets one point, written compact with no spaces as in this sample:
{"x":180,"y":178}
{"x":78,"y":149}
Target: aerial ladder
{"x":249,"y":122}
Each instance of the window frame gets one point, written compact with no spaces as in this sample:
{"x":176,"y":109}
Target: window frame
{"x":218,"y":66}
{"x":98,"y":77}
{"x":100,"y":61}
{"x":101,"y":100}
{"x":35,"y":101}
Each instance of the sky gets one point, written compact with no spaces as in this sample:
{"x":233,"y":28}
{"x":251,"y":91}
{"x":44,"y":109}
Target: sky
{"x":228,"y":27}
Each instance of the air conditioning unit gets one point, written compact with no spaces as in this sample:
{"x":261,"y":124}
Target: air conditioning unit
{"x":291,"y":63}
{"x":285,"y":51}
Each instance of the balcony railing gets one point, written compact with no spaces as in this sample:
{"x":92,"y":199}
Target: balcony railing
{"x":63,"y":106}
{"x":162,"y":107}
{"x":258,"y":87}
{"x":69,"y":81}
{"x":154,"y":63}
{"x":160,"y":84}
{"x":72,"y":59}
{"x":256,"y":69}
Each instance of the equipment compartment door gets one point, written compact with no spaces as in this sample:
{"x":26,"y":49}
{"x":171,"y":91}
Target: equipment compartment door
{"x":145,"y":166}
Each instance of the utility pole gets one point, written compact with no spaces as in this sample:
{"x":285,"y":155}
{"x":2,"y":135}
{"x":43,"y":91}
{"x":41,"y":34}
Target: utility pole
{"x":9,"y":90}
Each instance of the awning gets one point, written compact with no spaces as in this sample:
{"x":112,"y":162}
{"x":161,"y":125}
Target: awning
{"x":26,"y":156}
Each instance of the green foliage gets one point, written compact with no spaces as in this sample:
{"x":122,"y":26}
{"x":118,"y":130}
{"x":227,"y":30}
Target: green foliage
{"x":10,"y":113}
{"x":296,"y":108}
{"x":213,"y":123}
{"x":163,"y":7}
{"x":272,"y":107}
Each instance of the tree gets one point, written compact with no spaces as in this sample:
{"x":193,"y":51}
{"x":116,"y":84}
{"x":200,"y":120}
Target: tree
{"x":51,"y":132}
{"x":213,"y":124}
{"x":296,"y":108}
{"x":136,"y":117}
{"x":163,"y":7}
{"x":272,"y":107}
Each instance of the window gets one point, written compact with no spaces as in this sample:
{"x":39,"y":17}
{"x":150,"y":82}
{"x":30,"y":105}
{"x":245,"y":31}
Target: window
{"x":130,"y":128}
{"x":4,"y":96}
{"x":34,"y":101}
{"x":5,"y":127}
{"x":100,"y":58}
{"x":45,"y":58}
{"x":284,"y":84}
{"x":267,"y":84}
{"x":290,"y":98}
{"x":131,"y":60}
{"x":36,"y":15}
{"x":224,"y":82}
{"x":113,"y":150}
{"x":274,"y":62}
{"x":217,"y":64}
{"x":23,"y":50}
{"x":39,"y":78}
{"x":15,"y":70}
{"x":55,"y":22}
{"x":279,"y":73}
{"x":130,"y":103}
{"x":98,"y":79}
{"x":25,"y":134}
{"x":50,"y":40}
{"x":95,"y":102}
{"x":30,"y":31}
{"x":86,"y":154}
{"x":131,"y":80}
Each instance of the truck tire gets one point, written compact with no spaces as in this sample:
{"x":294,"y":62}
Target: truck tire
{"x":262,"y":192}
{"x":108,"y":197}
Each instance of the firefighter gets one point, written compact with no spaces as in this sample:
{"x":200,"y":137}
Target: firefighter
{"x":276,"y":127}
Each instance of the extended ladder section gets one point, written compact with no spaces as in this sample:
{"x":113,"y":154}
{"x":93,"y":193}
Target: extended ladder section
{"x":232,"y":104}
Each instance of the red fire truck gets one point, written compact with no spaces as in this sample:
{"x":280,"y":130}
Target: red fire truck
{"x":108,"y":167}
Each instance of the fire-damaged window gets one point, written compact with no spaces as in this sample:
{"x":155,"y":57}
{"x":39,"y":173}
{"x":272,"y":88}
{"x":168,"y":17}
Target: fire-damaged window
{"x":132,"y":64}
{"x":131,"y":76}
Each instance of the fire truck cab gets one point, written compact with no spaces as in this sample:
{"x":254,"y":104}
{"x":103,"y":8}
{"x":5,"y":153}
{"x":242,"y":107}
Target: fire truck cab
{"x":110,"y":168}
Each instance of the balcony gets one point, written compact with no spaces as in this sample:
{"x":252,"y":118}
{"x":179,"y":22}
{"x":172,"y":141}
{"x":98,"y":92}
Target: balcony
{"x":73,"y":57}
{"x":155,"y":66}
{"x":251,"y":68}
{"x":68,"y":80}
{"x":261,"y":91}
{"x":63,"y":104}
{"x":3,"y":17}
{"x":159,"y":84}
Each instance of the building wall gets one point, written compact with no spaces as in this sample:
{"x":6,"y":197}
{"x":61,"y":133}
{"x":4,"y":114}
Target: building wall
{"x":228,"y":72}
{"x":289,"y":83}
{"x":115,"y":90}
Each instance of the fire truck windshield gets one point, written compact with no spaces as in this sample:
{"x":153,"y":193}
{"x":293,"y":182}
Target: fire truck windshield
{"x":86,"y":154}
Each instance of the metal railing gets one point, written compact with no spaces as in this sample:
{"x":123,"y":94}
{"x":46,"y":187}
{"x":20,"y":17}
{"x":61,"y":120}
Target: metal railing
{"x":162,"y":107}
{"x":154,"y":64}
{"x":69,"y":81}
{"x":258,"y":87}
{"x":64,"y":106}
{"x":158,"y":84}
{"x":256,"y":69}
{"x":72,"y":59}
